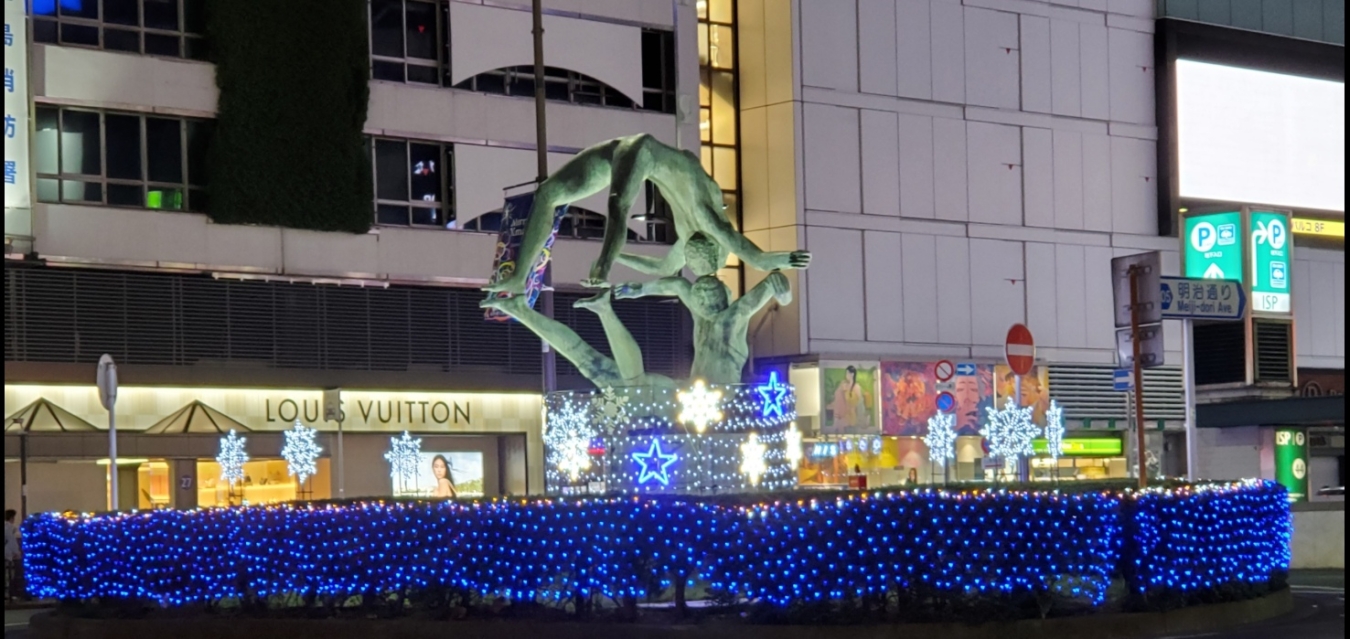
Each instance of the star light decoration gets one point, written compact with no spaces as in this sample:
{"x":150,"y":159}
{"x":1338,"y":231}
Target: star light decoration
{"x":941,"y":438}
{"x":773,"y":393}
{"x":405,"y":453}
{"x":655,"y":464}
{"x":1010,"y":431}
{"x":700,"y":406}
{"x":793,"y":438}
{"x":752,"y":459}
{"x":1054,"y":429}
{"x":567,"y":438}
{"x":301,"y":452}
{"x":232,"y":458}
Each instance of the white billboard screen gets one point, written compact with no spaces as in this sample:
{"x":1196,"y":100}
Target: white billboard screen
{"x":1259,"y":137}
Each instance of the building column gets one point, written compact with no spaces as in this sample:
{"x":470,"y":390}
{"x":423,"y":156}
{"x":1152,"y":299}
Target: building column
{"x":183,"y":483}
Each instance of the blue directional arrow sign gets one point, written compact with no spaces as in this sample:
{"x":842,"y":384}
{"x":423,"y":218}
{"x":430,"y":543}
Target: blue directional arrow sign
{"x":965,"y":369}
{"x":1122,"y":379}
{"x":1194,"y":298}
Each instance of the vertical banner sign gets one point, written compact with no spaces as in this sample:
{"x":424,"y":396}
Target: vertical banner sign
{"x":515,"y":217}
{"x":1213,"y":246}
{"x":1291,"y":462}
{"x":1272,"y":253}
{"x":17,"y":192}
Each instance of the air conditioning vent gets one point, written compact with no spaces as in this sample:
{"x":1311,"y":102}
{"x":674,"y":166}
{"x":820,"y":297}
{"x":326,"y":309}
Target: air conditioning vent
{"x":68,"y":315}
{"x":1273,"y":344}
{"x":1087,"y":392}
{"x":1220,"y":353}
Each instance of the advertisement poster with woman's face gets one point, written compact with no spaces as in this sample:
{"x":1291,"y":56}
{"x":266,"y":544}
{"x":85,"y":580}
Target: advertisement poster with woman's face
{"x":909,"y":398}
{"x":850,"y":399}
{"x":1035,"y":389}
{"x":445,"y":476}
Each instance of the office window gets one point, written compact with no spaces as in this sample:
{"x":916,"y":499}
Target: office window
{"x":170,"y":28}
{"x":658,"y":70}
{"x":560,"y":85}
{"x":414,"y":183}
{"x":406,"y":41}
{"x":120,"y":159}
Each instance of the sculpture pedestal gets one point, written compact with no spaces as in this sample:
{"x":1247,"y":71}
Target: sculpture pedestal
{"x":699,"y":440}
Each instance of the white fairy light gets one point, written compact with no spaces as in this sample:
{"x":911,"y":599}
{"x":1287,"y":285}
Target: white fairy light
{"x":567,"y":438}
{"x":793,"y":449}
{"x":232,"y":458}
{"x":752,"y":459}
{"x":1010,"y":431}
{"x":1054,"y":429}
{"x":301,"y":452}
{"x":941,"y":438}
{"x":405,"y":453}
{"x":700,"y":406}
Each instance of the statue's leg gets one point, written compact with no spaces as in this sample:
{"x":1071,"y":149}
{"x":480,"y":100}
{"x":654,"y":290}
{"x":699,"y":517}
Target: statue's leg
{"x":583,"y":176}
{"x":627,"y":353}
{"x":593,"y":365}
{"x":629,"y":171}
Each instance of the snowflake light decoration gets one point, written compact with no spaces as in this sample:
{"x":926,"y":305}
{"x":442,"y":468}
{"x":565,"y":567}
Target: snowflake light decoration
{"x":1054,"y":429}
{"x":700,"y":406}
{"x":405,"y":453}
{"x":567,"y":438}
{"x":752,"y":459}
{"x":610,"y":408}
{"x":794,"y":444}
{"x":1010,"y":431}
{"x":232,"y":458}
{"x":941,"y":438}
{"x":301,"y":452}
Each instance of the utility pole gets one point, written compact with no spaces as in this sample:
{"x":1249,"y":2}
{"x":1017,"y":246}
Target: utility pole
{"x":541,"y":142}
{"x":1141,"y":445}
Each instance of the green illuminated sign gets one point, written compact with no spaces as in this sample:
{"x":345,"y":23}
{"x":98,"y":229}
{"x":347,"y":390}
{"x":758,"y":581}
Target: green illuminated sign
{"x":1090,"y":447}
{"x":1291,"y":461}
{"x":1272,"y":261}
{"x":1214,"y":246}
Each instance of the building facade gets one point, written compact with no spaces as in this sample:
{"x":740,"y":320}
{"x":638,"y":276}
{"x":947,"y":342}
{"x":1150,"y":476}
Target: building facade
{"x":113,"y":245}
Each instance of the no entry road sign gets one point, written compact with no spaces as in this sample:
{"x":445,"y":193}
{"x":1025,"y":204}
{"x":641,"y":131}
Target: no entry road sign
{"x":1020,"y":349}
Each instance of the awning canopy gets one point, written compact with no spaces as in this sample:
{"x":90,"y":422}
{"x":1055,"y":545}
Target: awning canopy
{"x":1294,"y":411}
{"x":196,"y":417}
{"x":42,"y":416}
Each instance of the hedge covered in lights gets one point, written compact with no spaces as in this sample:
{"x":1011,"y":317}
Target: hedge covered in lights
{"x":768,"y":549}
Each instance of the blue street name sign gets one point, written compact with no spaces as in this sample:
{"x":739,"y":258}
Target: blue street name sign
{"x":1193,"y":298}
{"x":1122,"y":380}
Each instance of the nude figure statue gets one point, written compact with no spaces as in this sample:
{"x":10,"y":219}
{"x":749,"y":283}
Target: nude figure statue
{"x":623,"y":165}
{"x":720,"y":326}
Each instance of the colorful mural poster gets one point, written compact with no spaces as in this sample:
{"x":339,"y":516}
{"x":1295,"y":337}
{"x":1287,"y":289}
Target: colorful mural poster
{"x":1035,"y":389}
{"x":909,"y":393}
{"x":849,"y":398}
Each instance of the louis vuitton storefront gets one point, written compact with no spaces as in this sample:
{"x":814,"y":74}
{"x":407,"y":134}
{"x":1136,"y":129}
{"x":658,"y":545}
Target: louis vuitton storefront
{"x":486,"y":444}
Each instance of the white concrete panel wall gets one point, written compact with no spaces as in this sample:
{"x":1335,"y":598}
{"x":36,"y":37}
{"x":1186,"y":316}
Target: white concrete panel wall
{"x":990,"y":182}
{"x":485,"y":38}
{"x":1319,"y":308}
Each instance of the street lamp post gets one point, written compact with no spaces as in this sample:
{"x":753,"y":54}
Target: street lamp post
{"x":107,"y":395}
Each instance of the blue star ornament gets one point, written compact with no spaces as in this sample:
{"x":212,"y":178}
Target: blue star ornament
{"x":773,"y":394}
{"x":655,"y":464}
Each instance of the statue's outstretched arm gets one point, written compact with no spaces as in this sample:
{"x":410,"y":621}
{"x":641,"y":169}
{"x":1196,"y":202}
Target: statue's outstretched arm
{"x":723,"y":233}
{"x":775,"y":286}
{"x":664,"y":287}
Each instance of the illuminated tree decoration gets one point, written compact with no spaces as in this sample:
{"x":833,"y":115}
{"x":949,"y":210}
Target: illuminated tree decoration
{"x":1054,"y":429}
{"x":773,"y":394}
{"x":655,"y":464}
{"x":941,"y":438}
{"x":752,"y":459}
{"x":301,"y":452}
{"x":700,"y":406}
{"x":567,"y":438}
{"x":405,"y":453}
{"x":794,"y":444}
{"x":232,"y":458}
{"x":1010,"y":431}
{"x":611,"y":409}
